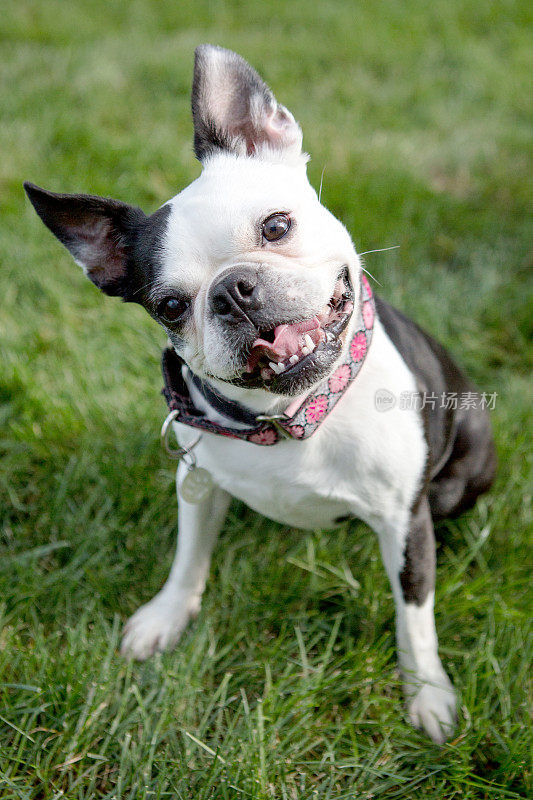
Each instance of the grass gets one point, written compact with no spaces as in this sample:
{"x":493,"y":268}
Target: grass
{"x":286,"y":686}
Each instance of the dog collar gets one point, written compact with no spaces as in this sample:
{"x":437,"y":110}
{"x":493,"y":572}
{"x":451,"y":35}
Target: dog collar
{"x":301,"y":418}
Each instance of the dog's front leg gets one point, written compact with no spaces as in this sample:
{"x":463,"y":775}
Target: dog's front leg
{"x":409,"y":556}
{"x":159,"y":624}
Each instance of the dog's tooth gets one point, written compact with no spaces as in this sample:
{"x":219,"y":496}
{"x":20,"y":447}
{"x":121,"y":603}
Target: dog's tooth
{"x":294,"y":359}
{"x":275,"y":367}
{"x":305,"y":351}
{"x":309,"y":342}
{"x":281,"y":367}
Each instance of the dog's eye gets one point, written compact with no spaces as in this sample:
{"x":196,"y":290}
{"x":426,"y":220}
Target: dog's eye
{"x":172,"y":308}
{"x":276,"y":226}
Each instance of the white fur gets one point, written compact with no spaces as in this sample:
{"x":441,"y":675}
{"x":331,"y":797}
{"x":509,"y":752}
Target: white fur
{"x":215,"y":225}
{"x":431,"y":698}
{"x":332,"y":473}
{"x":159,"y":624}
{"x":361,"y":461}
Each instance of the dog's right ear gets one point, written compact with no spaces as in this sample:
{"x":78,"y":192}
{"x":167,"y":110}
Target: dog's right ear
{"x":234,"y":110}
{"x":97,"y":231}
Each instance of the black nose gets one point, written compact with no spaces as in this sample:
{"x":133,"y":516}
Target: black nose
{"x":236,"y":295}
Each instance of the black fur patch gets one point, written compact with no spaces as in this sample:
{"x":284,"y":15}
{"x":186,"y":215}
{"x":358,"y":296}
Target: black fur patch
{"x":145,"y":256}
{"x":417,"y":578}
{"x":118,"y":244}
{"x":435,"y":372}
{"x":461,"y":459}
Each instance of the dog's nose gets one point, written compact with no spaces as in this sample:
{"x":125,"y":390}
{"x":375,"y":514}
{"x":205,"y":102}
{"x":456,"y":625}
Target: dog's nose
{"x":236,"y":295}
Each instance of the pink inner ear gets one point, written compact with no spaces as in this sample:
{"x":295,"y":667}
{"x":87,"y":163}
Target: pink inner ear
{"x":281,"y":127}
{"x":100,"y":250}
{"x":276,"y":127}
{"x":234,"y":109}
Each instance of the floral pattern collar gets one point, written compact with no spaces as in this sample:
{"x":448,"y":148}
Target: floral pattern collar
{"x":302,"y":417}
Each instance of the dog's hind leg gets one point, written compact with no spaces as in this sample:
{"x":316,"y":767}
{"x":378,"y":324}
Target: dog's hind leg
{"x":408,"y":551}
{"x":470,"y":468}
{"x":159,"y":624}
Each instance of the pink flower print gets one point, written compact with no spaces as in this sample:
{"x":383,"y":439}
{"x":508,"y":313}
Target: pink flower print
{"x":339,"y":379}
{"x":316,"y":408}
{"x":368,"y":314}
{"x":358,"y":346}
{"x":297,"y":431}
{"x":267,"y":436}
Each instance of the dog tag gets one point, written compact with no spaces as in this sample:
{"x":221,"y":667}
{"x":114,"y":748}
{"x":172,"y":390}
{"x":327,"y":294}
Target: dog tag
{"x":196,"y":485}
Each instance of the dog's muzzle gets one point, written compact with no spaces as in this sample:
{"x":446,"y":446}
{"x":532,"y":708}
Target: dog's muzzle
{"x":282,"y":348}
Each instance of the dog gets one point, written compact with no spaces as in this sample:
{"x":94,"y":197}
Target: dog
{"x":284,"y":372}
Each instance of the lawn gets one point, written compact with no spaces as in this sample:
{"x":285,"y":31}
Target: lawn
{"x":286,"y":686}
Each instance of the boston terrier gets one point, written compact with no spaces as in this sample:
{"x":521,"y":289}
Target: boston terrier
{"x":290,"y":386}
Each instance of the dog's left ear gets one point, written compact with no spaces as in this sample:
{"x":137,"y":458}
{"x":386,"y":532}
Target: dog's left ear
{"x":97,"y":231}
{"x":234,"y":110}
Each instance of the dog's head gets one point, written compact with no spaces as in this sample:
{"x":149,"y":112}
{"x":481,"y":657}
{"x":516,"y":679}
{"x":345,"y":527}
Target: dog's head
{"x":252,"y":278}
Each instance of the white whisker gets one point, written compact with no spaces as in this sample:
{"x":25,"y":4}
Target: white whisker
{"x":371,"y":276}
{"x":380,"y":250}
{"x":321,"y":180}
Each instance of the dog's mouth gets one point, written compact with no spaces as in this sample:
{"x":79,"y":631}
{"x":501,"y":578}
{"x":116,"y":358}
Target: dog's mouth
{"x":300,"y":351}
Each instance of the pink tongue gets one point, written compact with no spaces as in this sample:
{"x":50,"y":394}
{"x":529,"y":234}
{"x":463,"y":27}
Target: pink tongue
{"x":286,"y":342}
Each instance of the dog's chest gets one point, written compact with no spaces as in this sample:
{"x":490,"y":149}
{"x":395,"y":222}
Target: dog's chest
{"x":295,"y":483}
{"x":361,"y":461}
{"x":363,"y":466}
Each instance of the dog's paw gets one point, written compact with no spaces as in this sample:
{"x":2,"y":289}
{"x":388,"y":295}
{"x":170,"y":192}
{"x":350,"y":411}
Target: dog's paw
{"x":433,"y":709}
{"x":158,"y":625}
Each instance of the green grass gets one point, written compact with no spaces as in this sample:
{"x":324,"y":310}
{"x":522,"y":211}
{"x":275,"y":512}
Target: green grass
{"x":286,"y":686}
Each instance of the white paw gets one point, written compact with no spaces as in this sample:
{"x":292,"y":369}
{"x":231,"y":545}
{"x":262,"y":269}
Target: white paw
{"x":158,"y":625}
{"x":433,"y":708}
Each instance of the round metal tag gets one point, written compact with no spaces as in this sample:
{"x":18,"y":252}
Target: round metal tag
{"x":196,"y":485}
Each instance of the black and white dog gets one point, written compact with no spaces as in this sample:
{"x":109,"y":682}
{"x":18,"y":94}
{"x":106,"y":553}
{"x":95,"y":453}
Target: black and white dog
{"x":271,"y":321}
